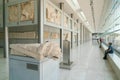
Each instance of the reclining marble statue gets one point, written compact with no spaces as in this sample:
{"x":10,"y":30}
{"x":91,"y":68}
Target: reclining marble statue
{"x":37,"y":51}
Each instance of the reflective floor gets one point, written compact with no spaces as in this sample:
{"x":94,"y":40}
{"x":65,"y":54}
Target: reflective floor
{"x":88,"y":65}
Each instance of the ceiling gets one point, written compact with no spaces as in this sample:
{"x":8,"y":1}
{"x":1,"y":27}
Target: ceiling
{"x":101,"y":9}
{"x":86,"y":8}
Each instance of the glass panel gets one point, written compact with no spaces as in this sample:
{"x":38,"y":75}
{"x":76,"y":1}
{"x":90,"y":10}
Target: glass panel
{"x":75,"y":39}
{"x":50,"y":13}
{"x":27,"y":34}
{"x":51,"y":34}
{"x":114,"y":38}
{"x":75,"y":26}
{"x":13,"y":13}
{"x":27,"y":11}
{"x":58,"y":17}
{"x":67,"y":35}
{"x":53,"y":15}
{"x":66,"y":22}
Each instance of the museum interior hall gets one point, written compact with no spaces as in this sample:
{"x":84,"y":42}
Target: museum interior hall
{"x":59,"y":39}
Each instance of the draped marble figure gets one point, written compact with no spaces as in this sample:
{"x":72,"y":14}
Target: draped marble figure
{"x":37,"y":51}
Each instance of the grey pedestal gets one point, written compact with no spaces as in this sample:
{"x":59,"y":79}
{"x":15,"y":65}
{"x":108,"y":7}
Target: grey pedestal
{"x":67,"y":63}
{"x":26,"y":68}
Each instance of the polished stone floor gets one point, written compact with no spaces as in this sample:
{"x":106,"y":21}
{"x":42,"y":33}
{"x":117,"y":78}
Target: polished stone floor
{"x":88,"y":65}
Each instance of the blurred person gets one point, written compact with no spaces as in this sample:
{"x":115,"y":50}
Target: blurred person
{"x":108,"y":51}
{"x":100,"y":42}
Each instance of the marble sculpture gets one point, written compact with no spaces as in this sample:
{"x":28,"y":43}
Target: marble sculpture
{"x":13,"y":13}
{"x":37,"y":51}
{"x":27,"y":10}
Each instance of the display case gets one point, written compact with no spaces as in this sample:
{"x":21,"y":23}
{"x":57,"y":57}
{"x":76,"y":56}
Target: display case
{"x":53,"y":14}
{"x":21,"y":13}
{"x":27,"y":34}
{"x":75,"y":38}
{"x":75,"y":26}
{"x":78,"y":27}
{"x":1,"y":13}
{"x":67,"y":35}
{"x":78,"y":38}
{"x":67,"y":22}
{"x":51,"y":34}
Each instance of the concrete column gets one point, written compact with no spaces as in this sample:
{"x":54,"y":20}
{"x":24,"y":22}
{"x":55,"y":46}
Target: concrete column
{"x":6,"y":38}
{"x":40,"y":9}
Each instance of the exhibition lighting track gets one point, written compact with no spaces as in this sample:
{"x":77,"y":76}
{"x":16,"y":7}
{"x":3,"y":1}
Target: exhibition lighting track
{"x":93,"y":15}
{"x":75,"y":5}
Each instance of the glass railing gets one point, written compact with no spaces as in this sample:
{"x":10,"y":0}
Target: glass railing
{"x":113,"y":37}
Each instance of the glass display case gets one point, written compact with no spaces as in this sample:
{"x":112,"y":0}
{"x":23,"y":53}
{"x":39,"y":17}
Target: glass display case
{"x":13,"y":14}
{"x":78,"y":27}
{"x":75,"y":26}
{"x":66,"y":22}
{"x":20,"y":13}
{"x":67,"y":35}
{"x":1,"y":13}
{"x":51,"y":34}
{"x":75,"y":39}
{"x":23,"y":34}
{"x":53,"y":14}
{"x":79,"y":38}
{"x":27,"y":11}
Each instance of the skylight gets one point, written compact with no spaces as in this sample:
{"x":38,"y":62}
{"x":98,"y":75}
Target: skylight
{"x":76,"y":4}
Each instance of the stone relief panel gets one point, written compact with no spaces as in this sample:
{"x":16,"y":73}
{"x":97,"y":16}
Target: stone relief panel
{"x":66,"y":21}
{"x":13,"y":13}
{"x":75,"y":26}
{"x":53,"y":15}
{"x":27,"y":11}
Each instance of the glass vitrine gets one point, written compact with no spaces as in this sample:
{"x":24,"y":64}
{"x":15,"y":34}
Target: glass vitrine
{"x":75,"y":26}
{"x":21,"y":13}
{"x":67,"y":35}
{"x":75,"y":39}
{"x":53,"y":14}
{"x":51,"y":34}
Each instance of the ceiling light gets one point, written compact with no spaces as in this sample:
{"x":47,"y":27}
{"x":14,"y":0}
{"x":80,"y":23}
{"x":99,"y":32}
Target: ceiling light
{"x":83,"y":15}
{"x":76,"y":4}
